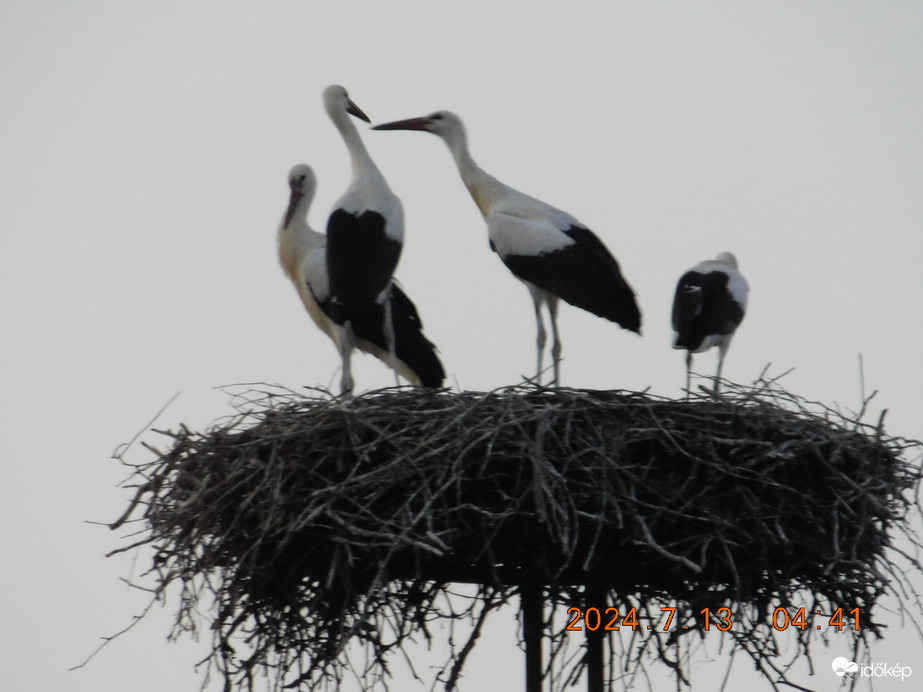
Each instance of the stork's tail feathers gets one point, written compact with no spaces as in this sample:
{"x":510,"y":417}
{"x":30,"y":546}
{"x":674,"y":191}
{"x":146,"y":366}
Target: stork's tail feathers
{"x":410,"y":345}
{"x":630,"y":317}
{"x":416,"y":356}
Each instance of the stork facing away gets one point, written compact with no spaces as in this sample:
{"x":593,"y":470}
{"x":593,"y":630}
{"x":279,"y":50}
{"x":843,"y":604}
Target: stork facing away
{"x":709,"y":305}
{"x":552,"y":253}
{"x":365,"y":233}
{"x":303,"y":255}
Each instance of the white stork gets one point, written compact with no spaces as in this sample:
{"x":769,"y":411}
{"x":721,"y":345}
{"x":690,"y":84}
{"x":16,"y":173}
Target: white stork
{"x":365,"y":233}
{"x":303,"y":255}
{"x":552,"y":253}
{"x":709,"y":305}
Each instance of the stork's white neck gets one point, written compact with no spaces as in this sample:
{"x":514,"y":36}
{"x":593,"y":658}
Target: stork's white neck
{"x":297,"y":239}
{"x":483,"y":187}
{"x":362,"y":164}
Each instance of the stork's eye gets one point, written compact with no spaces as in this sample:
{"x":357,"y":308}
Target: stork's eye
{"x":438,"y":116}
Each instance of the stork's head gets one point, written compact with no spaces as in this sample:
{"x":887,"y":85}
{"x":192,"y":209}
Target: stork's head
{"x":303,"y":184}
{"x":443,"y":123}
{"x":336,"y":100}
{"x":728,"y":259}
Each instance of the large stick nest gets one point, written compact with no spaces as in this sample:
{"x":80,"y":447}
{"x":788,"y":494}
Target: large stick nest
{"x":320,"y":526}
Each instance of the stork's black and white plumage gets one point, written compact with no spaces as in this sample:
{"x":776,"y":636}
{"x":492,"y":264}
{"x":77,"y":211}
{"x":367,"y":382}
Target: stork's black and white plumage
{"x":303,"y":255}
{"x":710,"y":302}
{"x":556,"y":256}
{"x":365,"y":233}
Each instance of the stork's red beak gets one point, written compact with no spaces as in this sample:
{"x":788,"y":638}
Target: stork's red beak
{"x":353,"y":109}
{"x":293,"y":200}
{"x":409,"y":124}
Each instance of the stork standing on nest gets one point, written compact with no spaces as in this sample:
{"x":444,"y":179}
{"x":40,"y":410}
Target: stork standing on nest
{"x":552,"y":253}
{"x":365,"y":234}
{"x":303,"y":255}
{"x":709,"y":305}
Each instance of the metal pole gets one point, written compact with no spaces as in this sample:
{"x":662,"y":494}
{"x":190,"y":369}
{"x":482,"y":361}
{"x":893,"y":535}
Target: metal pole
{"x":595,"y":639}
{"x":532,"y":606}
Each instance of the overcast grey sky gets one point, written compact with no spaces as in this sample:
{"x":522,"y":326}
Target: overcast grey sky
{"x":143,"y":158}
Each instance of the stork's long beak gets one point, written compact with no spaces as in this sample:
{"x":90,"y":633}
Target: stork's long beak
{"x":353,"y":109}
{"x":409,"y":124}
{"x":296,"y":196}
